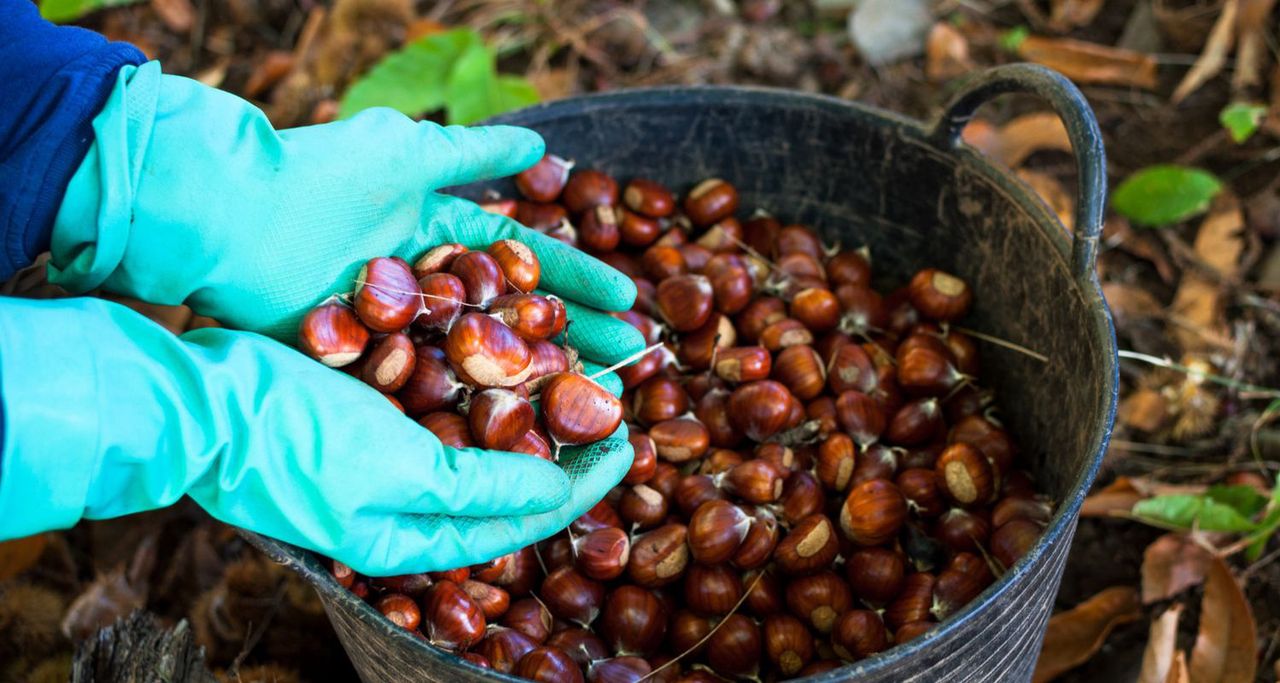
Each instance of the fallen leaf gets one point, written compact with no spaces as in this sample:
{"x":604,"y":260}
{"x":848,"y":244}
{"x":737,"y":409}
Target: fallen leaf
{"x":1197,"y":303}
{"x":1178,"y":673}
{"x":1251,"y":55}
{"x":1225,"y":650}
{"x":109,"y":597}
{"x":422,"y":27}
{"x":1118,"y":233}
{"x":1214,"y":55}
{"x":1130,"y":302}
{"x":1170,"y":565}
{"x":1075,"y":635}
{"x":1085,"y":62}
{"x":1118,"y":496}
{"x":214,"y":75}
{"x":18,"y":555}
{"x":1144,"y":409}
{"x":1065,"y":15}
{"x":1052,"y":193}
{"x":553,"y":84}
{"x":983,"y":136}
{"x":946,"y":52}
{"x":1269,"y":270}
{"x":178,"y":15}
{"x":270,"y":70}
{"x":1162,"y":646}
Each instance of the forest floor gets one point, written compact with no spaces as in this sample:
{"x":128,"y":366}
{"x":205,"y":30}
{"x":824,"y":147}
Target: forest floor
{"x":1194,"y":285}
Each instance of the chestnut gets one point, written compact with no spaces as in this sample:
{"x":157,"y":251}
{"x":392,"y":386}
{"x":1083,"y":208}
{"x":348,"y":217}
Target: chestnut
{"x":784,"y":333}
{"x":710,"y":201}
{"x":451,"y":619}
{"x":618,"y":670}
{"x":581,"y":645}
{"x":520,"y":573}
{"x":800,"y":369}
{"x":685,"y":301}
{"x":658,"y":399}
{"x":787,"y":643}
{"x":966,"y":475}
{"x":659,"y":557}
{"x":850,"y":368}
{"x":1036,"y":509}
{"x":492,"y":601}
{"x":713,"y":412}
{"x":634,"y":622}
{"x":926,"y":371}
{"x":911,"y":630}
{"x":470,"y":657}
{"x":744,"y":364}
{"x":442,"y":298}
{"x":961,"y":581}
{"x":600,"y":516}
{"x":873,"y":512}
{"x":529,"y":617}
{"x":602,"y":554}
{"x":543,"y":181}
{"x":637,"y":230}
{"x":661,"y":262}
{"x":716,"y":531}
{"x":835,"y":462}
{"x":699,"y":348}
{"x":548,"y":665}
{"x":450,"y":428}
{"x":333,"y":335}
{"x":432,"y":386}
{"x":489,"y":572}
{"x":759,"y":315}
{"x":916,"y":423}
{"x":849,"y":267}
{"x":722,"y":237}
{"x":598,"y":229}
{"x":680,"y":440}
{"x":816,"y":308}
{"x":961,"y":530}
{"x":711,"y":591}
{"x":818,"y":599}
{"x":875,"y":574}
{"x":504,"y":647}
{"x":734,"y":647}
{"x":533,"y":442}
{"x":1013,"y":540}
{"x":761,"y":541}
{"x":531,"y":316}
{"x":913,"y":602}
{"x":687,"y":630}
{"x":754,"y":481}
{"x":759,"y":409}
{"x":940,"y":295}
{"x":588,"y":189}
{"x":811,"y":545}
{"x":481,"y":276}
{"x":992,"y":441}
{"x":400,"y":610}
{"x":648,"y":198}
{"x":643,"y":506}
{"x":572,"y":596}
{"x":876,"y":462}
{"x":577,"y":410}
{"x":645,"y":461}
{"x":801,"y":496}
{"x":518,"y":263}
{"x":859,"y":634}
{"x":921,"y":489}
{"x":781,"y":457}
{"x":438,"y":259}
{"x":486,"y":352}
{"x":498,"y":418}
{"x":386,"y":297}
{"x":694,"y":490}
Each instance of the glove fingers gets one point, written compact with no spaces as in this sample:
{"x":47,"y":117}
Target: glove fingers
{"x":566,"y":271}
{"x":470,"y":154}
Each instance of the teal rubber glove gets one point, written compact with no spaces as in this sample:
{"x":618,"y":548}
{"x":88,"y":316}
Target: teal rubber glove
{"x":106,"y":413}
{"x":188,"y":195}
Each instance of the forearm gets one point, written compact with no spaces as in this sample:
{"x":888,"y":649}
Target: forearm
{"x":55,"y":80}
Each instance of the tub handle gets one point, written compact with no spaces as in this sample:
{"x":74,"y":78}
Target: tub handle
{"x":1082,"y":130}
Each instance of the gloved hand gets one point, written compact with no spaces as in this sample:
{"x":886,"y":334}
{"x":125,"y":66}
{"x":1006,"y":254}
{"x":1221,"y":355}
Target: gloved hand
{"x":188,"y":195}
{"x":106,"y":413}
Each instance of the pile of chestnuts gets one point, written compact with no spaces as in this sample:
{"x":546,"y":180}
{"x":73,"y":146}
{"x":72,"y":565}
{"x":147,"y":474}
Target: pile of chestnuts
{"x":818,"y":475}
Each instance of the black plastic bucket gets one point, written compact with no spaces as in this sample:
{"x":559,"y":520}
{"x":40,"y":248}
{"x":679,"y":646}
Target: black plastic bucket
{"x":917,"y":197}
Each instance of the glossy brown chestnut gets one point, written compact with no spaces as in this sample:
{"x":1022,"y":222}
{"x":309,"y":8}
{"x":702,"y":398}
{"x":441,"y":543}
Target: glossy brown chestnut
{"x":386,"y":297}
{"x":1013,"y":540}
{"x":961,"y":530}
{"x":522,"y":573}
{"x":784,"y":333}
{"x":659,"y":557}
{"x":809,"y":546}
{"x":759,"y":409}
{"x":581,"y":645}
{"x":819,"y":599}
{"x":588,"y":189}
{"x":576,"y":410}
{"x":687,"y":630}
{"x":618,"y":670}
{"x":572,"y":596}
{"x":849,"y":267}
{"x":699,"y":348}
{"x":680,"y":440}
{"x":964,"y":577}
{"x":966,"y":475}
{"x":661,"y":262}
{"x":923,"y":493}
{"x":710,"y":201}
{"x":685,"y":301}
{"x":645,"y":461}
{"x":940,"y":295}
{"x":333,"y":335}
{"x":634,"y":621}
{"x":875,"y":574}
{"x":861,"y":417}
{"x":878,"y":461}
{"x":520,"y":266}
{"x":913,"y":602}
{"x":859,"y":634}
{"x":442,"y":298}
{"x":758,"y":315}
{"x":643,"y":506}
{"x":498,"y":418}
{"x":493,"y":601}
{"x":637,"y":230}
{"x":816,"y":308}
{"x":915,"y":423}
{"x":722,"y":237}
{"x":480,"y":275}
{"x":982,"y":434}
{"x":504,"y":647}
{"x":531,"y":316}
{"x":761,"y":540}
{"x":801,"y":370}
{"x":787,"y":643}
{"x":754,"y":481}
{"x":602,"y":554}
{"x":600,"y":515}
{"x":548,"y":665}
{"x":486,"y":352}
{"x":801,"y":496}
{"x":451,"y":619}
{"x":598,"y":229}
{"x":658,"y":399}
{"x":400,"y":610}
{"x":743,"y":364}
{"x":835,"y":462}
{"x":925,"y":371}
{"x":450,"y":428}
{"x":533,"y":443}
{"x":649,"y":198}
{"x":529,"y":617}
{"x":389,"y":364}
{"x":735,"y":647}
{"x":543,"y":181}
{"x":438,"y":259}
{"x":716,"y":531}
{"x":711,"y":591}
{"x":873,"y":512}
{"x":1036,"y":509}
{"x":911,"y":630}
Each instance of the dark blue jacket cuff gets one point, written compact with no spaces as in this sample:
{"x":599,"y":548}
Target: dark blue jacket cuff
{"x":56,"y":79}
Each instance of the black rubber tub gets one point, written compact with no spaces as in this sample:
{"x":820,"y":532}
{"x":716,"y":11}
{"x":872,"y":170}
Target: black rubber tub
{"x":916,"y":196}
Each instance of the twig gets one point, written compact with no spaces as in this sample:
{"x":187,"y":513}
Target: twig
{"x":1262,"y":392}
{"x":710,"y":633}
{"x":1003,"y":343}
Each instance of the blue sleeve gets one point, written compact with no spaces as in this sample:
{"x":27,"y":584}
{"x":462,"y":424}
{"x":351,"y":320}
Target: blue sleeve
{"x":55,"y":80}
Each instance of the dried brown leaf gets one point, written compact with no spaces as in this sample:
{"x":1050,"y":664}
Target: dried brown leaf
{"x":1144,"y":409}
{"x":18,"y":555}
{"x":983,"y":136}
{"x":1118,"y":496}
{"x":1214,"y":55}
{"x":1091,"y":63}
{"x":1075,"y":635}
{"x":1031,"y":133}
{"x":1054,"y":195}
{"x":1162,"y":646}
{"x":1130,"y":302}
{"x":553,"y":84}
{"x":1170,"y":565}
{"x":1197,"y":303}
{"x":178,"y":15}
{"x":1065,"y":15}
{"x":1225,"y":650}
{"x":270,"y":70}
{"x":1178,"y":673}
{"x":1116,"y":232}
{"x":946,"y":53}
{"x":108,"y":597}
{"x":421,"y":28}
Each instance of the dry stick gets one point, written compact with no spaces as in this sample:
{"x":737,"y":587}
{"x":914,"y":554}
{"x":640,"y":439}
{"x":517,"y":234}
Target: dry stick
{"x":1001,"y":342}
{"x":710,"y":633}
{"x":1261,"y":392}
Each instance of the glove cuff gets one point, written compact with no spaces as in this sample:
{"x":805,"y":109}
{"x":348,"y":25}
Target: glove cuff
{"x":92,"y":227}
{"x":51,"y":421}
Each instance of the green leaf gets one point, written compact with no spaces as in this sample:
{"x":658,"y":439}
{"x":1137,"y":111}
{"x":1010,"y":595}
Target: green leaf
{"x":68,"y":10}
{"x":1242,"y":119}
{"x":1186,"y":511}
{"x":413,"y":80}
{"x":1012,"y":39}
{"x":1243,"y":499}
{"x":1164,"y":194}
{"x":476,"y":91}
